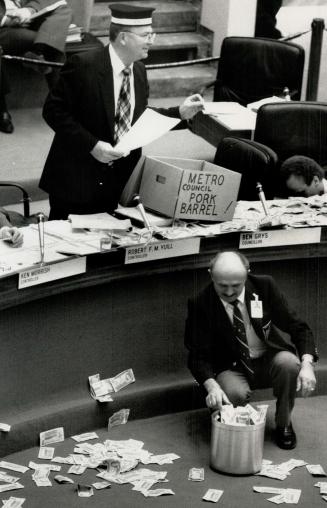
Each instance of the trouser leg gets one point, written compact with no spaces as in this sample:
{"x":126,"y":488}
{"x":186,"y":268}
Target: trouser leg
{"x":284,"y":370}
{"x":236,"y":386}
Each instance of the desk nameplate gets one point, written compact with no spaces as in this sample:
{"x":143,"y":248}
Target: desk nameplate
{"x":280,"y":237}
{"x":161,"y":250}
{"x":47,"y":273}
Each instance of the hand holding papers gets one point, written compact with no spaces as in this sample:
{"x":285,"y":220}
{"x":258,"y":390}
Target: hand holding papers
{"x":106,"y":153}
{"x":191,"y":106}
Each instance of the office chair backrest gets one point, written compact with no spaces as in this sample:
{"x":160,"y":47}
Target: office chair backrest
{"x":294,"y":128}
{"x":251,"y":69}
{"x":255,"y":162}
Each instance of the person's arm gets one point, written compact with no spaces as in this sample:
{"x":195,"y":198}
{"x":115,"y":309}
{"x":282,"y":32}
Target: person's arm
{"x":61,"y":106}
{"x":216,"y":396}
{"x":301,"y":335}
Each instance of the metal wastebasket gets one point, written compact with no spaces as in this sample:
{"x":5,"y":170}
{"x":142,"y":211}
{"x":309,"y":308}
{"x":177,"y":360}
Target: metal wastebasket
{"x":236,"y":449}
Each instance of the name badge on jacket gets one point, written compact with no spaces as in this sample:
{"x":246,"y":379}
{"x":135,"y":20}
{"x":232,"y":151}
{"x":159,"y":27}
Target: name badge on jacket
{"x":256,"y":307}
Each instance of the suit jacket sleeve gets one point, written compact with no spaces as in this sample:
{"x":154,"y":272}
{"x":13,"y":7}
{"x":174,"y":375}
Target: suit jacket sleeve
{"x":285,"y":318}
{"x":209,"y":354}
{"x":62,"y":103}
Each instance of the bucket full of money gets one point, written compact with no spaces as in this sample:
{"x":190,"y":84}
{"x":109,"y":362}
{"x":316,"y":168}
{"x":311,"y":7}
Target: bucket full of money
{"x":237,"y":442}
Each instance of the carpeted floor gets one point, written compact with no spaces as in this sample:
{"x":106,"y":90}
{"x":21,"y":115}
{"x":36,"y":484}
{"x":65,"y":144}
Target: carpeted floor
{"x":188,"y":435}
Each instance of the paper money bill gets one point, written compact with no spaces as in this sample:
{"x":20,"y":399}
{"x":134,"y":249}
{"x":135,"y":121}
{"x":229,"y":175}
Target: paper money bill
{"x":77,"y":469}
{"x":118,"y":418}
{"x":11,"y":486}
{"x":42,"y":482}
{"x":84,"y":490}
{"x":85,"y":437}
{"x":196,"y":474}
{"x":324,"y":498}
{"x":213,"y":495}
{"x":4,"y":477}
{"x":268,"y":490}
{"x":158,"y":492}
{"x":292,"y":496}
{"x":44,"y":467}
{"x":101,"y":485}
{"x":63,"y":479}
{"x":122,"y":380}
{"x":100,"y":389}
{"x":323,"y":487}
{"x":279,"y":499}
{"x":52,"y":436}
{"x":141,"y":485}
{"x":46,"y":452}
{"x":4,"y":427}
{"x":315,"y":470}
{"x":14,"y":502}
{"x":13,"y":467}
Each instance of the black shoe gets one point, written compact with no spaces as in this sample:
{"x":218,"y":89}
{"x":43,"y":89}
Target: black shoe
{"x":285,"y":437}
{"x":41,"y":69}
{"x":6,"y":124}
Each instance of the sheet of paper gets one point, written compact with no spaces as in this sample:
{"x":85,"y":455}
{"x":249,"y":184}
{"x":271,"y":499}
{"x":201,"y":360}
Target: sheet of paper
{"x":149,"y":127}
{"x":222,"y":108}
{"x":99,"y":221}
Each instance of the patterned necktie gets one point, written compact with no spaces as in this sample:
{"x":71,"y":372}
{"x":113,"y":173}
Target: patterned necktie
{"x":123,"y":112}
{"x":240,"y":336}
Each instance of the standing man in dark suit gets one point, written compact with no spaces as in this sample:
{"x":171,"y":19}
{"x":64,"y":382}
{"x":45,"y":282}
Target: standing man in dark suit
{"x":234,"y":346}
{"x":42,"y":38}
{"x":98,"y":97}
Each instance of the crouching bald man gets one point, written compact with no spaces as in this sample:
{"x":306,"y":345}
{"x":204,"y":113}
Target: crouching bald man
{"x":234,"y":346}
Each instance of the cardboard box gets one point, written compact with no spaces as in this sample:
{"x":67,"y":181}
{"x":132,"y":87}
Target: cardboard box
{"x":189,"y":189}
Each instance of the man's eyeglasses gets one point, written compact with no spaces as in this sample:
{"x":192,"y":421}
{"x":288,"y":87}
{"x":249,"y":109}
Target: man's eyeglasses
{"x":148,"y":36}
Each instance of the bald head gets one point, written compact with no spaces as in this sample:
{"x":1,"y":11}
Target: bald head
{"x":229,"y":273}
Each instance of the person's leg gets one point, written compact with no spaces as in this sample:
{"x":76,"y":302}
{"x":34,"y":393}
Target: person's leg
{"x":284,"y":370}
{"x":236,"y":386}
{"x":52,"y":29}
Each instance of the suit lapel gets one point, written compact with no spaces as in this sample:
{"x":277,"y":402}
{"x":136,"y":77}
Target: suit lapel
{"x":140,"y":92}
{"x":106,"y":83}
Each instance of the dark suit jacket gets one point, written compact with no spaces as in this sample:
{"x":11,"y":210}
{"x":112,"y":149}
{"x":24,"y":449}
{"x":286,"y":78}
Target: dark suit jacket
{"x":209,"y":332}
{"x":81,"y":112}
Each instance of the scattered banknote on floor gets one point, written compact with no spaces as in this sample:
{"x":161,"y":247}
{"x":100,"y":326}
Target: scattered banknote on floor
{"x":52,"y":436}
{"x":157,"y":492}
{"x":288,"y":496}
{"x":4,"y":427}
{"x":196,"y":474}
{"x":213,"y":495}
{"x":101,"y":485}
{"x":85,"y":490}
{"x":85,"y":437}
{"x":118,"y":418}
{"x":46,"y":452}
{"x":13,"y":502}
{"x":100,"y":389}
{"x":11,"y":486}
{"x":322,"y":486}
{"x":13,"y":467}
{"x":63,"y":479}
{"x":122,"y":380}
{"x":77,"y":469}
{"x":7,"y":478}
{"x":280,"y":471}
{"x":315,"y":470}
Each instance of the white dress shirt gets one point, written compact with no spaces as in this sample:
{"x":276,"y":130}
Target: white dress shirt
{"x":256,"y":346}
{"x":117,"y":70}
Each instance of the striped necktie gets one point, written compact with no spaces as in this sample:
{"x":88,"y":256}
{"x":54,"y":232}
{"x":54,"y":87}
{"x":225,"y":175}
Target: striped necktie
{"x":241,"y":340}
{"x":123,"y":112}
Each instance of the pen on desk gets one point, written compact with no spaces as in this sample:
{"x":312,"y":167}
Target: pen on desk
{"x":40,"y":223}
{"x":262,"y":197}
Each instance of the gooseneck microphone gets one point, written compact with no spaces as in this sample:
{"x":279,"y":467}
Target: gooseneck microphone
{"x":136,"y":201}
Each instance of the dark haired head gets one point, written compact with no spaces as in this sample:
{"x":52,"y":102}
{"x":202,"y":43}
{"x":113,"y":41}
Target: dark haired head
{"x":300,"y":165}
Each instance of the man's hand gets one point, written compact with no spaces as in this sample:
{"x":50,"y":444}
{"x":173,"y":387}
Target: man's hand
{"x":20,"y":16}
{"x":12,"y":235}
{"x":306,"y":380}
{"x":191,"y":106}
{"x":216,"y":396}
{"x":104,"y":152}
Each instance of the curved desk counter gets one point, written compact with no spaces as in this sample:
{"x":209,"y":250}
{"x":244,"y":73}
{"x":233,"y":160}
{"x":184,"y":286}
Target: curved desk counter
{"x":116,"y":317}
